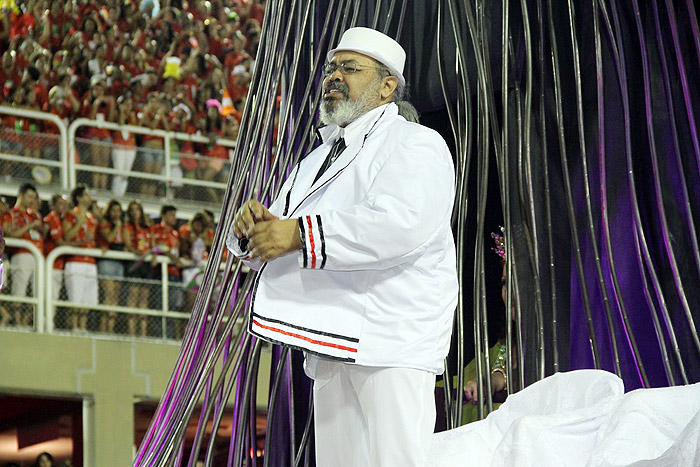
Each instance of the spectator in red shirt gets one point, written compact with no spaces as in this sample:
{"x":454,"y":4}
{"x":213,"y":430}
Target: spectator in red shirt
{"x":101,"y":107}
{"x":111,"y":271}
{"x":194,"y":246}
{"x":5,"y":221}
{"x":211,"y":167}
{"x":58,"y":24}
{"x":8,"y":71}
{"x":10,"y":139}
{"x":90,"y":29}
{"x":182,"y":122}
{"x":5,"y":227}
{"x":33,"y":143}
{"x":196,"y":239}
{"x":80,"y":274}
{"x":27,"y":225}
{"x":62,"y":101}
{"x":154,"y":116}
{"x":124,"y":145}
{"x":166,"y":241}
{"x":54,"y":238}
{"x":137,"y":240}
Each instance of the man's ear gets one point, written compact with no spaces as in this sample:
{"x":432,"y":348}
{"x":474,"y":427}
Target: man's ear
{"x":388,"y":87}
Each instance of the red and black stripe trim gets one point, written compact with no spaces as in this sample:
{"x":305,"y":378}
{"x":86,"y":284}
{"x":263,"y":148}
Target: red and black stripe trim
{"x":302,"y":328}
{"x":298,"y":347}
{"x":323,"y":241}
{"x":302,"y":337}
{"x":302,"y":232}
{"x":312,"y":242}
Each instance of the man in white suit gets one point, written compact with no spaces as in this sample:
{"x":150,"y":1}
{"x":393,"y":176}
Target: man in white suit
{"x":357,"y":262}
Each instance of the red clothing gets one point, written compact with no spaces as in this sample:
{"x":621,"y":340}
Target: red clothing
{"x":22,"y":218}
{"x":6,"y":225}
{"x":187,"y":147}
{"x":166,"y":236}
{"x":59,"y":29}
{"x":20,"y":27}
{"x":257,"y":11}
{"x":140,"y":238}
{"x":55,"y":234}
{"x":185,"y":232}
{"x":236,"y":92}
{"x":5,"y":219}
{"x":102,"y":114}
{"x":63,"y":112}
{"x":119,"y":139}
{"x":90,"y":226}
{"x":13,"y":76}
{"x":232,"y":59}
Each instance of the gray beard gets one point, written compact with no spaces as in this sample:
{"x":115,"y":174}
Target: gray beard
{"x":345,"y":111}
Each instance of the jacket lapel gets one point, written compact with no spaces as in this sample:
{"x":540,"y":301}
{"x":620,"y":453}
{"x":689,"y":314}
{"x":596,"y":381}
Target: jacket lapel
{"x":346,"y":158}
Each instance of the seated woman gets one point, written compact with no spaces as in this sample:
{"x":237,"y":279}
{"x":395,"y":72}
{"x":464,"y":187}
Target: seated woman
{"x":111,"y":271}
{"x":137,"y":239}
{"x":497,"y":358}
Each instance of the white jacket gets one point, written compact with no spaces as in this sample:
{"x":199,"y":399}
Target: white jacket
{"x":376,"y":281}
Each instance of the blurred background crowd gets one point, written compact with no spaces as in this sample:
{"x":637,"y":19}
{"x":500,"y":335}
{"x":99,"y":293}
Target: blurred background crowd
{"x":167,"y":65}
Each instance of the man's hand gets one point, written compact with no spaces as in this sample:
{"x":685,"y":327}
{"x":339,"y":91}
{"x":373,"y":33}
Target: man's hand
{"x":274,"y":238}
{"x":248,"y":215}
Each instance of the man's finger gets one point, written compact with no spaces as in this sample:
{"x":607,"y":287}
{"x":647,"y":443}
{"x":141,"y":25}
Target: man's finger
{"x":256,"y":209}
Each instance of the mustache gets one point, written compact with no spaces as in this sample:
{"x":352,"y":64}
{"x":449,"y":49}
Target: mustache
{"x":336,"y":86}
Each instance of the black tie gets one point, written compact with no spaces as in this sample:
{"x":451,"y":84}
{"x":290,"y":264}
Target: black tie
{"x":335,"y":151}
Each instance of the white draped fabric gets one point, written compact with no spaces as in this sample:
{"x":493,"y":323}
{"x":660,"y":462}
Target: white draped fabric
{"x":580,"y":418}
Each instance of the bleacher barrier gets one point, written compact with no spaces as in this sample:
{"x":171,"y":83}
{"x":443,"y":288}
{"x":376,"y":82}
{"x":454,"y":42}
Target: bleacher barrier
{"x":39,"y":147}
{"x":157,"y":313}
{"x":14,"y":303}
{"x":33,"y":147}
{"x":127,"y":307}
{"x":141,"y":172}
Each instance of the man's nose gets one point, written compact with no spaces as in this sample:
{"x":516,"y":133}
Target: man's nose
{"x":335,"y":76}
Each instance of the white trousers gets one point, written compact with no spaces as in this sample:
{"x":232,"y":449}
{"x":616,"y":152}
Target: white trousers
{"x":372,"y":417}
{"x":23,"y":266}
{"x":81,"y":282}
{"x":122,"y":160}
{"x":57,"y":277}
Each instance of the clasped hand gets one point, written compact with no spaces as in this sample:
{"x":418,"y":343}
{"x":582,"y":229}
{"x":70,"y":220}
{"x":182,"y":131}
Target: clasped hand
{"x":268,"y":236}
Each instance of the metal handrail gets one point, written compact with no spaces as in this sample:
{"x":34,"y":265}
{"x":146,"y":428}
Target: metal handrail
{"x":106,"y":254}
{"x":39,"y":285}
{"x":62,"y":137}
{"x":166,"y":135}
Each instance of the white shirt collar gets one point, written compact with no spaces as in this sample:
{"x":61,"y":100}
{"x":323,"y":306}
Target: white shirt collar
{"x":355,"y":129}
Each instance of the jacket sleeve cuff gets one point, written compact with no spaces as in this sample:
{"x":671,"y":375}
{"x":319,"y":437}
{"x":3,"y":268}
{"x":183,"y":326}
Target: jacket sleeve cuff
{"x":237,"y":246}
{"x":313,"y":243}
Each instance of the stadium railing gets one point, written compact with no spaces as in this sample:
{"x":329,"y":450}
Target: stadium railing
{"x":176,"y":180}
{"x":15,"y":306}
{"x":160,"y":312}
{"x":30,"y":154}
{"x":58,"y":160}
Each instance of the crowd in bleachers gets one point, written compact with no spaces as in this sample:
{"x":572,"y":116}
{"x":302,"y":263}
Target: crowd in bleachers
{"x":80,"y":222}
{"x":162,"y":64}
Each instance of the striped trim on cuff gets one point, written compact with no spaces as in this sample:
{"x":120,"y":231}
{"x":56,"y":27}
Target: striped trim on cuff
{"x":313,"y":242}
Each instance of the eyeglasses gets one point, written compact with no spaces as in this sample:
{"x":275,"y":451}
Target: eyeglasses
{"x":346,"y":68}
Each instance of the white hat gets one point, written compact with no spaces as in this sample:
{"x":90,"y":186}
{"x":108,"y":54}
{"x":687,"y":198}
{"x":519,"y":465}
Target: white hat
{"x":374,"y":44}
